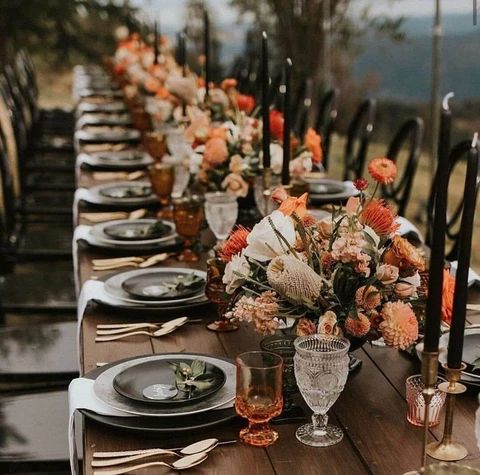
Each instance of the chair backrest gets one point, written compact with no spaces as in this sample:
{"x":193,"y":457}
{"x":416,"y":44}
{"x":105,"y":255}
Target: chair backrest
{"x":13,"y":135}
{"x":325,"y":123}
{"x":408,"y":137}
{"x":358,"y":139}
{"x":26,"y":83}
{"x":457,"y":154}
{"x":7,"y":198}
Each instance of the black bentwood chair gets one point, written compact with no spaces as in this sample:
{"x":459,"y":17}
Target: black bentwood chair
{"x":325,"y":123}
{"x":457,"y":154}
{"x":358,"y":140}
{"x":409,"y":137}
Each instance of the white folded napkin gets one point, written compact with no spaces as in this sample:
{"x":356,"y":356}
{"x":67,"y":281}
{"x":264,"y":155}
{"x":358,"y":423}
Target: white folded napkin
{"x":81,"y":232}
{"x":82,"y":396}
{"x":407,"y":226}
{"x":473,"y":277}
{"x":81,"y":194}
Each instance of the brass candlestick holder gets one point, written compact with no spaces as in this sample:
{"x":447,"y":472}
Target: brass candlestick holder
{"x":429,"y":376}
{"x":447,"y":449}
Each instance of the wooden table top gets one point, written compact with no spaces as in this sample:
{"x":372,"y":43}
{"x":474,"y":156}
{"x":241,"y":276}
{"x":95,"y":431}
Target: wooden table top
{"x":371,"y":410}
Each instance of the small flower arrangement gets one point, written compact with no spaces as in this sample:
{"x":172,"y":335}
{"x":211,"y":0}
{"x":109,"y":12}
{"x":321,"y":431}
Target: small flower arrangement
{"x":350,"y":273}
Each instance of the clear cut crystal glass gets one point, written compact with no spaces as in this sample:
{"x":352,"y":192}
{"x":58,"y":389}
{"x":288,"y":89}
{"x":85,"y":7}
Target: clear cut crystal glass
{"x":221,"y":211}
{"x":321,"y":370}
{"x":263,"y":199}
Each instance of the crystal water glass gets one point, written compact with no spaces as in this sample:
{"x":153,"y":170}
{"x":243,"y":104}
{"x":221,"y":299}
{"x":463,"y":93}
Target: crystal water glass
{"x":263,"y":199}
{"x":221,"y":211}
{"x":321,"y":370}
{"x":259,"y":395}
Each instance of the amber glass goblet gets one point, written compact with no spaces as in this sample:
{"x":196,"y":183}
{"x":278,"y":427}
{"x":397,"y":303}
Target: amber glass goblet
{"x":141,"y":119}
{"x":188,"y":218}
{"x":216,"y":293}
{"x":259,"y":395}
{"x":162,"y":178}
{"x":154,"y":143}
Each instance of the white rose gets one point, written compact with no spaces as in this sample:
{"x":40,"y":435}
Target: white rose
{"x":263,"y":243}
{"x":235,"y":273}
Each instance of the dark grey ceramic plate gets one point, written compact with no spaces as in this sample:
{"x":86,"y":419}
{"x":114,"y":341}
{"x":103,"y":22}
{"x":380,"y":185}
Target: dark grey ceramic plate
{"x":158,"y":425}
{"x":132,"y":382}
{"x":136,"y":231}
{"x":327,"y":187}
{"x":149,"y":286}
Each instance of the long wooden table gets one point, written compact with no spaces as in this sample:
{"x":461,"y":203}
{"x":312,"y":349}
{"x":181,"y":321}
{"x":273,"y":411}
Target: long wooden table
{"x":371,"y":410}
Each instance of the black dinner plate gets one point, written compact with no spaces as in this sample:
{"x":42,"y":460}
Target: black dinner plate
{"x":148,"y":286}
{"x":126,"y":158}
{"x":126,"y":192}
{"x":132,"y":382}
{"x":326,"y":188}
{"x":136,"y":231}
{"x":158,"y":425}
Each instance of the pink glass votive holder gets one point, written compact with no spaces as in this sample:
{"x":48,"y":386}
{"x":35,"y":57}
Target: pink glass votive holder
{"x":416,"y":404}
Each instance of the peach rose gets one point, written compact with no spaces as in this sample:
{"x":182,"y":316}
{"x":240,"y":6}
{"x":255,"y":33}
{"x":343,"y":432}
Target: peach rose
{"x":404,"y":290}
{"x":387,"y":274}
{"x":327,"y":324}
{"x":237,"y":164}
{"x":324,"y":228}
{"x":404,"y":255}
{"x":234,"y":183}
{"x":216,"y":152}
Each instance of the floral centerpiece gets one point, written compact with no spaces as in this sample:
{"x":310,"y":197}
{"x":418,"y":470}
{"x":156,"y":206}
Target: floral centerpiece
{"x":350,"y":273}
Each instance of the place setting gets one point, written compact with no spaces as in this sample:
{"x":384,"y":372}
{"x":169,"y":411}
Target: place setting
{"x":132,"y":159}
{"x":106,"y":133}
{"x":154,"y":395}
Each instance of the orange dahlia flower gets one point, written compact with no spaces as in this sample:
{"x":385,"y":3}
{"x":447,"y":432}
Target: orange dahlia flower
{"x":276,"y":124}
{"x":399,"y":327}
{"x":382,"y":170}
{"x":448,"y":292}
{"x":359,"y":326}
{"x":245,"y":103}
{"x":234,"y":244}
{"x":378,"y":215}
{"x":216,"y":151}
{"x":313,"y":142}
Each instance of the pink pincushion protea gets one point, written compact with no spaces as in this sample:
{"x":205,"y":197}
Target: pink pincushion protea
{"x":399,"y":326}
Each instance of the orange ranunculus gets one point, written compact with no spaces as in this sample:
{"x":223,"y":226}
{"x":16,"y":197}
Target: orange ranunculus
{"x":382,"y":170}
{"x":276,"y":124}
{"x":217,"y":132}
{"x":216,"y":152}
{"x":228,"y":83}
{"x":245,"y":103}
{"x":152,"y":85}
{"x":295,"y":205}
{"x":447,"y":296}
{"x":313,"y":142}
{"x":405,"y":256}
{"x":234,"y":183}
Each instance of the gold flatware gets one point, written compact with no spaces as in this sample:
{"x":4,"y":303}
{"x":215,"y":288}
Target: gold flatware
{"x":108,"y":326}
{"x":118,"y":458}
{"x":112,"y":216}
{"x":111,"y":176}
{"x":180,"y":464}
{"x":110,"y":264}
{"x":165,"y":329}
{"x":168,"y":324}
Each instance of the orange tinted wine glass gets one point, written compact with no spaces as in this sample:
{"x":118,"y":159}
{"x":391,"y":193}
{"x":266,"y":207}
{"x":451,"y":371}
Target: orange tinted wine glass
{"x":188,"y":218}
{"x":162,"y":178}
{"x":259,"y":395}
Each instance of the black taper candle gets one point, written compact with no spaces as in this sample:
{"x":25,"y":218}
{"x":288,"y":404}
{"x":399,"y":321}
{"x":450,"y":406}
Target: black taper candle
{"x":155,"y":43}
{"x":265,"y":104}
{"x":457,"y":329}
{"x":287,"y":123}
{"x":206,"y":44}
{"x":437,"y":255}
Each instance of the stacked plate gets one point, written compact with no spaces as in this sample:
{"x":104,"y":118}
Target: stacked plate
{"x":123,"y":193}
{"x":324,"y":190}
{"x":106,"y":133}
{"x":133,"y":234}
{"x":159,"y":287}
{"x":123,"y":160}
{"x":471,"y":352}
{"x":146,"y":387}
{"x":104,"y":119}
